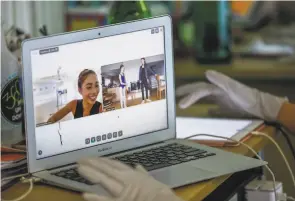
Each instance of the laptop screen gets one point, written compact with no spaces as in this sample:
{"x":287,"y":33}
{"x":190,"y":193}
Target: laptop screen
{"x":98,"y":91}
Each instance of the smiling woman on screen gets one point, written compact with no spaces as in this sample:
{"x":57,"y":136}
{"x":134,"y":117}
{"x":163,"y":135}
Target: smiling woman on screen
{"x":89,"y":88}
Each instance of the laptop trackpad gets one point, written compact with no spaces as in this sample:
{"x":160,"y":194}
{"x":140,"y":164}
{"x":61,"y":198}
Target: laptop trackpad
{"x":173,"y":177}
{"x":181,"y":175}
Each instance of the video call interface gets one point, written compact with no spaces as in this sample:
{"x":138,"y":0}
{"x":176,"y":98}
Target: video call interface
{"x":98,"y":91}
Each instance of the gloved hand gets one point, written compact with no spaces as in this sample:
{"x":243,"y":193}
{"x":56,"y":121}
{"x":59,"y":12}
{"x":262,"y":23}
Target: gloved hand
{"x":232,"y":95}
{"x":123,"y":182}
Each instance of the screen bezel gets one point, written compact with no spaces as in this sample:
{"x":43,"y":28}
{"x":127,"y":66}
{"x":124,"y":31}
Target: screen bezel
{"x":35,"y":165}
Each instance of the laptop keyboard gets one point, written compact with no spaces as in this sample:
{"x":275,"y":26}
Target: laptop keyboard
{"x":72,"y":174}
{"x":164,"y":156}
{"x":150,"y":159}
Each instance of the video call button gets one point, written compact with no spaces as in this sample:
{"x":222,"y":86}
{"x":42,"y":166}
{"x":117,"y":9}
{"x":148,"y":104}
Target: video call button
{"x":87,"y":141}
{"x":104,"y":137}
{"x":98,"y":138}
{"x":120,"y":133}
{"x":92,"y":139}
{"x":110,"y":136}
{"x":115,"y":134}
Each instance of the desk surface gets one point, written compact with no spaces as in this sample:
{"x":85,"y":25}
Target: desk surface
{"x":191,"y":192}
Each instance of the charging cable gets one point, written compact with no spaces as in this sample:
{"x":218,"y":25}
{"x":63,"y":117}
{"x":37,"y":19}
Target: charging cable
{"x":251,"y":149}
{"x":258,"y":133}
{"x":285,"y":132}
{"x":31,"y":180}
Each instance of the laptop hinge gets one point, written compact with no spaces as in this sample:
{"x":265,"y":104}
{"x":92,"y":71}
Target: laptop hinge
{"x":108,"y":155}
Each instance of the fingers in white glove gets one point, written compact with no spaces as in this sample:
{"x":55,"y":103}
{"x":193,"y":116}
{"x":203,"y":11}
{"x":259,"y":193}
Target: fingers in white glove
{"x":123,"y":182}
{"x":114,"y":164}
{"x":238,"y":92}
{"x":201,"y":91}
{"x":141,"y":169}
{"x":95,"y":176}
{"x":189,"y":88}
{"x":259,"y":104}
{"x":130,"y":193}
{"x":220,"y":79}
{"x":191,"y":99}
{"x":94,"y":197}
{"x":108,"y":167}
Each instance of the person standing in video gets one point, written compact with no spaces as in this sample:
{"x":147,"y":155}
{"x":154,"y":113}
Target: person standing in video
{"x":144,"y":81}
{"x":88,"y":87}
{"x":123,"y":86}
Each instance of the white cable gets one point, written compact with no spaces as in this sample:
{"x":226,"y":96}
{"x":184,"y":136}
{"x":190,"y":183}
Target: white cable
{"x":251,"y":149}
{"x":280,"y":150}
{"x":290,"y":198}
{"x":26,"y":193}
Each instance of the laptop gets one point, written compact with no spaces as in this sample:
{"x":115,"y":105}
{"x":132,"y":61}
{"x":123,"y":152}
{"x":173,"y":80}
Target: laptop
{"x":81,"y":102}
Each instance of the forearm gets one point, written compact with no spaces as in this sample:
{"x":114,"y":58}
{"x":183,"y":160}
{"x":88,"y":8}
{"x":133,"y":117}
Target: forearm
{"x":51,"y":119}
{"x":55,"y":117}
{"x":286,"y":116}
{"x":61,"y":113}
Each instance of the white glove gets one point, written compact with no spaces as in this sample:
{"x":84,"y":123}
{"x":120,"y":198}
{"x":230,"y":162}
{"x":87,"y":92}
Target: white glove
{"x":123,"y":182}
{"x":232,"y":95}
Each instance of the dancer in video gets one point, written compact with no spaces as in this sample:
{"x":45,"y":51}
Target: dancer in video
{"x":88,"y":87}
{"x":123,"y":86}
{"x":144,"y":81}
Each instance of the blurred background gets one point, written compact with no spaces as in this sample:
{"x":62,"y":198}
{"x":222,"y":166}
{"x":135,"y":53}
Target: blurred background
{"x":251,"y":41}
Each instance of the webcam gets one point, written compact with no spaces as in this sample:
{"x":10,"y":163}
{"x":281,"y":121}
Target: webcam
{"x":99,"y":33}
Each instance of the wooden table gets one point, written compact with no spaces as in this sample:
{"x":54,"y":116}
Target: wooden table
{"x":192,"y":192}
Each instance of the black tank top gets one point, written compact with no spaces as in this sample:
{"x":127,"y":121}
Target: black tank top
{"x":79,"y":109}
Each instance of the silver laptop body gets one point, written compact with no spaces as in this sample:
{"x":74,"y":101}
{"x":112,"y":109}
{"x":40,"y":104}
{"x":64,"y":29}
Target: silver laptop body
{"x":51,"y":72}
